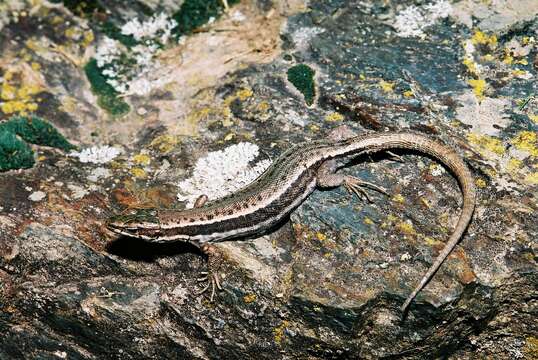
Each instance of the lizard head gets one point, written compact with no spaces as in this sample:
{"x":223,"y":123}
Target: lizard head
{"x":143,"y":223}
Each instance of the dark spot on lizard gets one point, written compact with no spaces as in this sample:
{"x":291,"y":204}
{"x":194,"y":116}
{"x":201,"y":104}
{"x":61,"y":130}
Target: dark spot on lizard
{"x":259,"y":198}
{"x":230,"y":212}
{"x":210,"y":217}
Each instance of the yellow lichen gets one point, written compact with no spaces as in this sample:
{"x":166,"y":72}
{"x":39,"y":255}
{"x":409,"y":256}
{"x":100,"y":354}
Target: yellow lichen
{"x":164,"y":143}
{"x":18,"y":100}
{"x":386,"y":86}
{"x":321,"y":236}
{"x":508,"y":59}
{"x":482,"y":38}
{"x":249,"y":298}
{"x":368,"y":221}
{"x":532,"y":178}
{"x":229,"y":136}
{"x":406,"y":228}
{"x":88,"y":38}
{"x":478,"y":85}
{"x":334,"y":116}
{"x":263,"y":106}
{"x":471,"y":66}
{"x":486,"y":143}
{"x":431,"y":241}
{"x":526,"y":141}
{"x":531,"y":347}
{"x":534,"y":118}
{"x":518,"y":72}
{"x":278,"y":332}
{"x":481,"y":183}
{"x":138,"y":172}
{"x":409,"y":93}
{"x":142,"y":159}
{"x":514,"y":164}
{"x":398,"y":198}
{"x":244,"y":94}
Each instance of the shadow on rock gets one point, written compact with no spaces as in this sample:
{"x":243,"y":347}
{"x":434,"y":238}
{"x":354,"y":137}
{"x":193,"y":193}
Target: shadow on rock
{"x":140,"y":250}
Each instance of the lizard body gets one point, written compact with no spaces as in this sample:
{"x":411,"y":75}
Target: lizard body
{"x":264,"y":203}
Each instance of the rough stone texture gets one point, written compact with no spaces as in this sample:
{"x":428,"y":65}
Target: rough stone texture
{"x":328,"y":284}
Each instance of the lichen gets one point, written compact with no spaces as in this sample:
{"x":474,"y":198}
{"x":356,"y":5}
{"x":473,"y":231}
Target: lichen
{"x":222,"y":172}
{"x":17,"y":99}
{"x":526,"y":141}
{"x":334,"y":117}
{"x":96,"y":154}
{"x":487,"y":143}
{"x":479,"y":86}
{"x":302,"y":77}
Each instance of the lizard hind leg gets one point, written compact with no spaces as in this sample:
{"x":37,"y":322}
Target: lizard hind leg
{"x":327,"y":177}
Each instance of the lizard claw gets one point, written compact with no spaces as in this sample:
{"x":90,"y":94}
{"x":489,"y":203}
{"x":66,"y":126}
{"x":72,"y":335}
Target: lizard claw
{"x":211,"y":276}
{"x":357,"y":186}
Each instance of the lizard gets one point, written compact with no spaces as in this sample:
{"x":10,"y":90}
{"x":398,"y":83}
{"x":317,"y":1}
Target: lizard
{"x":265,"y":203}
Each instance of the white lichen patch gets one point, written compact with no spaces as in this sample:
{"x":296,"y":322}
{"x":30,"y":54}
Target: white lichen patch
{"x":77,"y":192}
{"x":302,"y":36}
{"x":157,"y":28}
{"x":222,"y":172}
{"x":99,"y":173}
{"x":96,"y":154}
{"x":37,"y":196}
{"x":133,"y":70}
{"x":487,"y":117}
{"x":238,"y":16}
{"x":413,"y":20}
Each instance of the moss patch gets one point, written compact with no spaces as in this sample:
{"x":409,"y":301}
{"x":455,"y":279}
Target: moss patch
{"x":195,"y":13}
{"x":302,"y":77}
{"x":15,"y":153}
{"x":107,"y":96}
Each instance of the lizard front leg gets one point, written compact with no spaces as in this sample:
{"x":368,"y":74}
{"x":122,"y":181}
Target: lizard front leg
{"x":214,"y":259}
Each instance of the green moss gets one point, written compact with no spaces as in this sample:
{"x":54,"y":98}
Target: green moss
{"x":107,"y":96}
{"x":302,"y":77}
{"x":195,"y":13}
{"x":14,"y":153}
{"x":36,"y":131}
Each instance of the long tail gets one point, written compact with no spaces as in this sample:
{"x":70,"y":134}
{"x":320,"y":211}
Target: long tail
{"x":449,"y":158}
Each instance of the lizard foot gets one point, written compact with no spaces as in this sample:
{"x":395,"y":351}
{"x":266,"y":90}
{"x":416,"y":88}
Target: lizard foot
{"x":395,"y":157}
{"x":357,"y":186}
{"x":211,"y":276}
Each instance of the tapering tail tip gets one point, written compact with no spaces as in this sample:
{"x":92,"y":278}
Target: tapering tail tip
{"x":405,"y":307}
